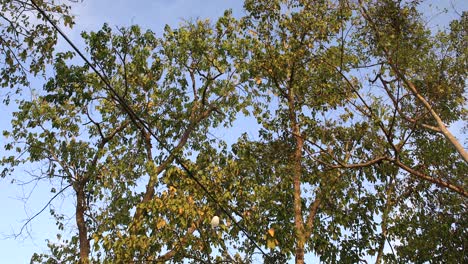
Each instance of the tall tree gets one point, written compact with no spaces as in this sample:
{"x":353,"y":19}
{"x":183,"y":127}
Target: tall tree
{"x":104,"y":140}
{"x":298,"y":57}
{"x":423,"y":75}
{"x":358,"y":150}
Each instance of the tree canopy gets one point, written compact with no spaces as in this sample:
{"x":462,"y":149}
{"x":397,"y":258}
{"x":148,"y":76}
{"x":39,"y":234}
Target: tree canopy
{"x":27,"y":40}
{"x":354,"y":159}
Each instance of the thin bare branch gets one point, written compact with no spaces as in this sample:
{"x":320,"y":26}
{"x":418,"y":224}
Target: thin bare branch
{"x":42,"y":210}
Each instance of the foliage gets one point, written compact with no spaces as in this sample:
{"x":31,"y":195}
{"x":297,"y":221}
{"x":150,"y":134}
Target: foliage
{"x":345,"y":167}
{"x":27,"y":40}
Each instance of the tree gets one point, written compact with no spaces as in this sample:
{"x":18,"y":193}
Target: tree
{"x":288,"y":51}
{"x":343,"y":134}
{"x":424,"y":80}
{"x":164,"y":95}
{"x":353,"y":159}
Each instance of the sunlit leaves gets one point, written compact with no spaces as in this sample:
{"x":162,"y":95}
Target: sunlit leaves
{"x":337,"y":121}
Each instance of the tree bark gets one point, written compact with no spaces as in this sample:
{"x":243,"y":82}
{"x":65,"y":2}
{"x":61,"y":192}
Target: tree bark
{"x":297,"y":173}
{"x":81,"y":223}
{"x":298,"y":221}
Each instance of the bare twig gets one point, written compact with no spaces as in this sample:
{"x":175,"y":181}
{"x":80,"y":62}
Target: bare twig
{"x":43,"y":208}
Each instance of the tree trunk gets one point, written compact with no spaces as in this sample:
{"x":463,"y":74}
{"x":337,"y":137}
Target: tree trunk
{"x":80,"y":221}
{"x":300,"y":254}
{"x":298,"y":221}
{"x":297,"y":174}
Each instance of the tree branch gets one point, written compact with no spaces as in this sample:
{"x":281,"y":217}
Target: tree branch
{"x":426,"y":177}
{"x":42,"y":210}
{"x":410,"y":85}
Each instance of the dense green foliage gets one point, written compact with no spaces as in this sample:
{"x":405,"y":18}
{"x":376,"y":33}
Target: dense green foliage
{"x":353,"y":160}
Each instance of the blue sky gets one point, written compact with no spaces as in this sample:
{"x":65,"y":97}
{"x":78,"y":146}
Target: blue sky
{"x":90,"y":15}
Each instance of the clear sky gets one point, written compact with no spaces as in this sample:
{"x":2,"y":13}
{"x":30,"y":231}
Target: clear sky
{"x":90,"y":15}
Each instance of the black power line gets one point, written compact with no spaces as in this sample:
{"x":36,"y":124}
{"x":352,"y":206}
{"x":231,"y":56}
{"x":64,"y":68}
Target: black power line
{"x":138,"y":122}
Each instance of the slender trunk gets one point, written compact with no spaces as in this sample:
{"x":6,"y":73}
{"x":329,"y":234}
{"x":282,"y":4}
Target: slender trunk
{"x":298,"y":221}
{"x":388,"y":207}
{"x":80,"y":221}
{"x":297,"y":173}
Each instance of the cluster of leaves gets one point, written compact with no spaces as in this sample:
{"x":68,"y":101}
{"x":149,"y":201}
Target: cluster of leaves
{"x":27,"y":39}
{"x":345,"y":167}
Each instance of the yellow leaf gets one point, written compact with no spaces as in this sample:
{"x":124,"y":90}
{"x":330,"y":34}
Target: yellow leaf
{"x":271,"y":231}
{"x":161,"y":223}
{"x":172,"y":189}
{"x":258,"y":80}
{"x":271,"y":243}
